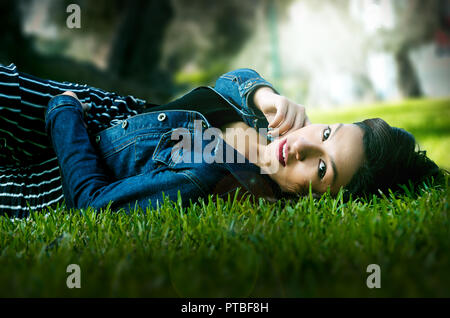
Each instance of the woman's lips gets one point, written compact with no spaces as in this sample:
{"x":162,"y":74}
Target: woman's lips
{"x":280,"y":153}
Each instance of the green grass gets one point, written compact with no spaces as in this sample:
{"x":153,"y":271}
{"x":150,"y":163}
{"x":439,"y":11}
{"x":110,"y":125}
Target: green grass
{"x":306,"y":248}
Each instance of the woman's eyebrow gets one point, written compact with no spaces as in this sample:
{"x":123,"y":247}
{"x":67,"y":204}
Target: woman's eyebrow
{"x":333,"y":164}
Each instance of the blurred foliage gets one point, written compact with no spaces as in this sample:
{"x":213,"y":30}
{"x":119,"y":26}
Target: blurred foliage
{"x":416,"y":23}
{"x":99,"y":17}
{"x":157,"y":49}
{"x":408,"y":32}
{"x":163,"y":45}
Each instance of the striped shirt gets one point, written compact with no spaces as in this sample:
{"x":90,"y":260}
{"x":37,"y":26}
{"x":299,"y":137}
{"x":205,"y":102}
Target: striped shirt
{"x":29,"y":174}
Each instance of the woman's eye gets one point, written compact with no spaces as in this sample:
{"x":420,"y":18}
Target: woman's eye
{"x":322,"y":169}
{"x":326,"y":133}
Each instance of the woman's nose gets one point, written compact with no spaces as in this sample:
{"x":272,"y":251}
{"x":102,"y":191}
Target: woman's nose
{"x":304,"y":149}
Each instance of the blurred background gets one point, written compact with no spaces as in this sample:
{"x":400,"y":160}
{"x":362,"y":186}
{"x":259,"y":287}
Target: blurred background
{"x":323,"y":54}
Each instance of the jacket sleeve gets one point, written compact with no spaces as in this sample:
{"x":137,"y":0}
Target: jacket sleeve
{"x":85,"y":180}
{"x":238,"y":87}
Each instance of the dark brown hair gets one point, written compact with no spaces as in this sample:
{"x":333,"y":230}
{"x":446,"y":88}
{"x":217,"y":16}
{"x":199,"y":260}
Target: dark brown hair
{"x":391,"y":162}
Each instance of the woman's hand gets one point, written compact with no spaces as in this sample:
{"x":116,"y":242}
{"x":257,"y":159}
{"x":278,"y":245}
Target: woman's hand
{"x":70,"y":93}
{"x":282,"y":114}
{"x":85,"y":106}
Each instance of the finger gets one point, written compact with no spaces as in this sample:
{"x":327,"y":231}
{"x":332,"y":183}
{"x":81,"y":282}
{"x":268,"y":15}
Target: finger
{"x":303,"y":119}
{"x":70,"y":93}
{"x":279,"y":117}
{"x":286,"y":124}
{"x":298,"y":123}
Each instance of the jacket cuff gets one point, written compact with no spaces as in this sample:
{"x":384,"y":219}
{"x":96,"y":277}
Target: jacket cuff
{"x":249,"y":98}
{"x":248,"y":88}
{"x":65,"y":101}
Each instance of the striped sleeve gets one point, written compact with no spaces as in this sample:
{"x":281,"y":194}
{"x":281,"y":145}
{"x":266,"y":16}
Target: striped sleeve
{"x":29,"y":171}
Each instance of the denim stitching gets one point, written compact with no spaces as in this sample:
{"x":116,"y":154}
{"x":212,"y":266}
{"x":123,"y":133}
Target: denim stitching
{"x":193,"y":179}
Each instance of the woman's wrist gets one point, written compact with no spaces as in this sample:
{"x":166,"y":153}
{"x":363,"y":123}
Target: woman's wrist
{"x":86,"y":107}
{"x":261,"y":93}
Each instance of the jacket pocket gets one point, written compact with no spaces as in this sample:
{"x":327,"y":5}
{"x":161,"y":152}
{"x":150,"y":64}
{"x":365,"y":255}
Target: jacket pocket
{"x":170,"y":149}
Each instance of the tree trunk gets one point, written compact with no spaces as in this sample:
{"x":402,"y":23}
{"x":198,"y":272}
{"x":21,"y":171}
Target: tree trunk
{"x":407,"y":80}
{"x":136,"y":49}
{"x":13,"y":45}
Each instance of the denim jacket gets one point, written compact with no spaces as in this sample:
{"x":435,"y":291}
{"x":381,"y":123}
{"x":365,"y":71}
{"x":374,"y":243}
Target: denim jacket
{"x":137,"y":161}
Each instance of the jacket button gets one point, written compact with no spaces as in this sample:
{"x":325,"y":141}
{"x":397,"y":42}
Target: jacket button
{"x":124,"y":124}
{"x":161,"y":117}
{"x":97,"y":139}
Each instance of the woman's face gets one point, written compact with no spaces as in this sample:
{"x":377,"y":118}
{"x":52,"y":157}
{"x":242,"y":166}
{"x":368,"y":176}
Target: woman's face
{"x":325,"y":155}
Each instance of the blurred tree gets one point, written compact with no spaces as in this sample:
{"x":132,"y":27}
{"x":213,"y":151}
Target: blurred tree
{"x":137,"y":28}
{"x":149,"y":41}
{"x":136,"y":49}
{"x":416,"y":24}
{"x":205,"y":34}
{"x":275,"y":47}
{"x":13,"y":43}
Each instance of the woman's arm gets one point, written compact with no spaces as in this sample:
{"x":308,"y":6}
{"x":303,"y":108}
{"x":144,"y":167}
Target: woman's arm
{"x":257,"y":98}
{"x":86,"y":182}
{"x":81,"y":170}
{"x":282,"y":114}
{"x":238,"y":86}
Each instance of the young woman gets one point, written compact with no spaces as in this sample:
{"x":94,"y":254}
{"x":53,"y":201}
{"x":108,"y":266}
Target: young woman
{"x":120,"y":150}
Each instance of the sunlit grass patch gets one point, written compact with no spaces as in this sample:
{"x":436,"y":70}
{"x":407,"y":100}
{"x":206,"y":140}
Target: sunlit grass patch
{"x":306,"y":248}
{"x":236,"y":248}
